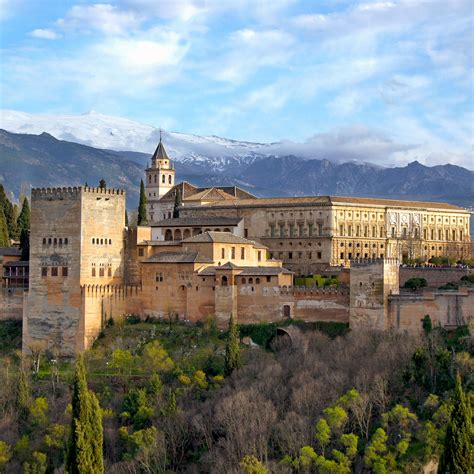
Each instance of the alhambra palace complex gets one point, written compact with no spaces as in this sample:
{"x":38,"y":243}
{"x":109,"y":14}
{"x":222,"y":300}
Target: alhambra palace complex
{"x":230,"y":252}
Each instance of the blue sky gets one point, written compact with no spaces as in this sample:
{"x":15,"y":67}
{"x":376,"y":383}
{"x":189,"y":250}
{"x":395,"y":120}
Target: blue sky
{"x":354,"y":74}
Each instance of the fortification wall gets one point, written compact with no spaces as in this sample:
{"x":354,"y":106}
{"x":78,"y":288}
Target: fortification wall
{"x":11,"y":303}
{"x":445,"y":308}
{"x":435,"y":277}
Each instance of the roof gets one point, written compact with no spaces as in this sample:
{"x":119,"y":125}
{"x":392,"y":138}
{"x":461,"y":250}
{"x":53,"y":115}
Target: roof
{"x":178,"y":257}
{"x":10,"y":251}
{"x":160,"y":152}
{"x":17,"y":264}
{"x":188,"y":189}
{"x":198,"y":221}
{"x":332,"y":200}
{"x":222,"y":238}
{"x":209,"y":193}
{"x":160,"y":243}
{"x":247,"y":271}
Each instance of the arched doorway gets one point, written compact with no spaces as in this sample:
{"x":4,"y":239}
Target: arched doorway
{"x":225,"y":281}
{"x":168,"y":234}
{"x":287,"y":311}
{"x":177,"y":234}
{"x":186,"y":234}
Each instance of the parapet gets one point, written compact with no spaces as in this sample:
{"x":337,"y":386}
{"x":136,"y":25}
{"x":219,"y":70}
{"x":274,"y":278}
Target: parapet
{"x":70,"y":192}
{"x":365,"y":262}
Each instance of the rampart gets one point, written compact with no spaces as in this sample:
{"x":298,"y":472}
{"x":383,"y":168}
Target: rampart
{"x":11,"y":303}
{"x":435,"y":277}
{"x":51,"y":193}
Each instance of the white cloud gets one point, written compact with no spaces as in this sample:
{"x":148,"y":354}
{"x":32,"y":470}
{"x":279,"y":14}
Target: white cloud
{"x":102,"y":17}
{"x":44,"y":33}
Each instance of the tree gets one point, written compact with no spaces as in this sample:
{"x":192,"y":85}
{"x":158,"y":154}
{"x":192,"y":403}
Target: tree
{"x":25,"y":244}
{"x":102,"y":184}
{"x":22,"y":396}
{"x":177,"y":202}
{"x":251,"y":465}
{"x":415,"y":283}
{"x":457,"y":456}
{"x":9,"y":213}
{"x":126,"y":218}
{"x":142,"y":205}
{"x":86,"y":439}
{"x":4,"y":237}
{"x":232,"y":348}
{"x":23,"y":221}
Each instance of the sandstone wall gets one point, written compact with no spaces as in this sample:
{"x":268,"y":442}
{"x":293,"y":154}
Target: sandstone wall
{"x":435,"y":277}
{"x":11,"y":303}
{"x":447,"y":309}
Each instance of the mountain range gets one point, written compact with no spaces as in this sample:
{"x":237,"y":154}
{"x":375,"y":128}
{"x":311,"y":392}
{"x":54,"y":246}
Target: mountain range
{"x":72,"y":150}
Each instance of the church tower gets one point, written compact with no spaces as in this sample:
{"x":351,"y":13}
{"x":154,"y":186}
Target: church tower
{"x":159,"y":180}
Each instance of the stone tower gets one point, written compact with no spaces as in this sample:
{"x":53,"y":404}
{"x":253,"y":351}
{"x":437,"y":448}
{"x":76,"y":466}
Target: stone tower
{"x":160,"y":177}
{"x":77,"y":239}
{"x":372,"y":281}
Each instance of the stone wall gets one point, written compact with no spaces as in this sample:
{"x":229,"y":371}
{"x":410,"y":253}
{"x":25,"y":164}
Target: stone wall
{"x":435,"y":277}
{"x":11,"y":303}
{"x":445,"y":308}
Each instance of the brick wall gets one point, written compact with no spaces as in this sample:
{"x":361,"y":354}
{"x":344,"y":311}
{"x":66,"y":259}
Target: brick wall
{"x":435,"y":277}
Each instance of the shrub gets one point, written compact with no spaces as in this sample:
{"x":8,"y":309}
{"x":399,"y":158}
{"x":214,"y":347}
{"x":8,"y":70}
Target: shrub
{"x":415,"y":283}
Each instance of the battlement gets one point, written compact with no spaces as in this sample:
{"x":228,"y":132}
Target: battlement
{"x":365,"y":262}
{"x":71,"y":192}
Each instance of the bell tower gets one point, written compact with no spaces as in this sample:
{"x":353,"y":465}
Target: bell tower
{"x":160,"y":177}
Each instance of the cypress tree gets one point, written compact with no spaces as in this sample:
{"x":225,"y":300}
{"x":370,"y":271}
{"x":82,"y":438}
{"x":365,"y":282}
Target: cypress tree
{"x":22,"y":396}
{"x":4,"y":238}
{"x":86,"y":439}
{"x":232,"y":348}
{"x":25,"y":244}
{"x":9,"y":213}
{"x":23,"y":225}
{"x":457,"y":456}
{"x":177,"y":202}
{"x":142,"y":205}
{"x":126,"y":218}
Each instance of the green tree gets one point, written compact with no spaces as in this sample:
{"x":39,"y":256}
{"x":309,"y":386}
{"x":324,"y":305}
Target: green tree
{"x":86,"y":438}
{"x":177,"y":202}
{"x":37,"y":465}
{"x":415,"y":283}
{"x":25,"y":244}
{"x":4,"y":236}
{"x":22,"y":396}
{"x":126,"y":218}
{"x":251,"y":465}
{"x":142,"y":206}
{"x":457,"y":457}
{"x":232,"y":348}
{"x":23,"y":221}
{"x":5,"y":453}
{"x":9,"y":213}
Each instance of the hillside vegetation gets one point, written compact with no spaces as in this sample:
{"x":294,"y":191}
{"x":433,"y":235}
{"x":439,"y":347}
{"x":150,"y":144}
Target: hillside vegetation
{"x":170,"y":401}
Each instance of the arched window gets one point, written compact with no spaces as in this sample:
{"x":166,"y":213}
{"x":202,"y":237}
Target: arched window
{"x":93,"y":240}
{"x":44,"y":241}
{"x":149,"y":178}
{"x":55,"y":241}
{"x":186,"y":234}
{"x":65,"y":241}
{"x":163,"y":178}
{"x":217,"y":230}
{"x":250,"y":281}
{"x":169,"y":179}
{"x":60,"y":241}
{"x":226,"y":229}
{"x":155,"y":178}
{"x":101,"y":241}
{"x":224,"y":281}
{"x":168,"y":234}
{"x":244,"y":281}
{"x":257,"y":281}
{"x":110,"y":241}
{"x":177,"y":234}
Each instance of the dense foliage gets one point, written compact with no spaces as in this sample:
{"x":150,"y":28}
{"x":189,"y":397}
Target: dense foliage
{"x":358,"y":402}
{"x":142,"y":205}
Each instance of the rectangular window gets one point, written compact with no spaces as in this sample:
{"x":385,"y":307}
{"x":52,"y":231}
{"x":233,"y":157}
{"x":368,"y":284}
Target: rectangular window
{"x":223,"y":253}
{"x":349,"y":231}
{"x":93,"y":271}
{"x":259,"y":255}
{"x":374,"y":231}
{"x":310,"y":230}
{"x":342,"y":256}
{"x":358,"y":231}
{"x":404,"y":232}
{"x":44,"y":271}
{"x":393,"y":231}
{"x":349,"y":256}
{"x":460,"y":235}
{"x":381,"y":231}
{"x":366,"y":231}
{"x":320,"y":229}
{"x":101,"y":272}
{"x":454,"y":235}
{"x":341,"y":229}
{"x":310,"y":255}
{"x":269,"y":279}
{"x":301,"y":230}
{"x":232,"y":253}
{"x":109,"y":271}
{"x":292,"y":230}
{"x":319,"y":256}
{"x":447,"y":234}
{"x":64,"y":271}
{"x":141,"y":252}
{"x":246,"y":233}
{"x":282,"y":230}
{"x":242,"y":253}
{"x":54,"y":271}
{"x":290,"y":255}
{"x":272,"y":230}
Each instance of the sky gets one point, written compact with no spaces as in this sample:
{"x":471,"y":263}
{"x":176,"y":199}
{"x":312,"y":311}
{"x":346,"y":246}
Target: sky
{"x":391,"y":78}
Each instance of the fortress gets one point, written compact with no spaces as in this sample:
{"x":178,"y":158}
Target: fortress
{"x":230,"y":252}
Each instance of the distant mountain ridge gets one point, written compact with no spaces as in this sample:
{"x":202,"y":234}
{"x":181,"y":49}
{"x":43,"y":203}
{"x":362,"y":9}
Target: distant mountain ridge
{"x":42,"y":160}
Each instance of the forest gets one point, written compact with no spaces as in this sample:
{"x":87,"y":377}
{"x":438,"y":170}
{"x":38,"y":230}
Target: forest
{"x":163,"y":396}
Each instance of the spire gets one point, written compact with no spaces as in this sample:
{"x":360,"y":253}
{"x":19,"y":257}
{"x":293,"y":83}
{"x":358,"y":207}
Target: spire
{"x":160,"y":152}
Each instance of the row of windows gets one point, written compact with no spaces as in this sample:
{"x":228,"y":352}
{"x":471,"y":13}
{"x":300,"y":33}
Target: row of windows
{"x":343,"y":255}
{"x":55,"y":241}
{"x":242,"y":254}
{"x":163,"y":178}
{"x":309,"y":244}
{"x":358,"y":231}
{"x":97,"y":241}
{"x":55,"y":271}
{"x":364,"y":215}
{"x":296,"y":231}
{"x":309,"y":255}
{"x":101,"y":271}
{"x":439,"y":235}
{"x":300,"y":214}
{"x":358,"y":245}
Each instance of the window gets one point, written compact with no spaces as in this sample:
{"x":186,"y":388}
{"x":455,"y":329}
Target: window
{"x":447,"y":234}
{"x":163,"y":178}
{"x":60,"y":241}
{"x":349,"y":231}
{"x":259,"y":255}
{"x":232,"y":253}
{"x":54,"y":271}
{"x":310,"y":229}
{"x":310,"y":255}
{"x":49,"y":241}
{"x":169,"y":179}
{"x":341,"y":229}
{"x":257,"y":281}
{"x":244,"y":281}
{"x":242,"y":253}
{"x":44,"y":241}
{"x":224,"y":281}
{"x":381,"y":231}
{"x":282,"y":230}
{"x":460,"y":235}
{"x":320,"y":229}
{"x":269,"y":279}
{"x":246,"y":232}
{"x":301,"y":230}
{"x":350,"y":256}
{"x":366,"y":231}
{"x":250,"y":281}
{"x":64,"y":272}
{"x":272,"y":230}
{"x":109,"y":271}
{"x":110,"y":241}
{"x":223,"y":253}
{"x":454,"y":235}
{"x":101,"y":272}
{"x":101,"y":241}
{"x":374,"y":231}
{"x":55,"y":241}
{"x":93,"y":271}
{"x":44,"y":271}
{"x":141,"y":252}
{"x":290,"y":255}
{"x":319,"y":255}
{"x":149,"y":178}
{"x":404,"y":232}
{"x":342,"y":256}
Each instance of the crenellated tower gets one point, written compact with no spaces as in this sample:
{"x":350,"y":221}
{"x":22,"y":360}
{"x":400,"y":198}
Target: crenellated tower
{"x":160,"y":177}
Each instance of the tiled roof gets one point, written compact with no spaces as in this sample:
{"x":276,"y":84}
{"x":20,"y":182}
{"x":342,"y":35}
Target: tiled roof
{"x":247,"y":271}
{"x":221,"y":238}
{"x":187,"y":189}
{"x":10,"y":251}
{"x":208,"y":194}
{"x":178,"y":257}
{"x":160,"y":243}
{"x":328,"y":200}
{"x":198,"y":221}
